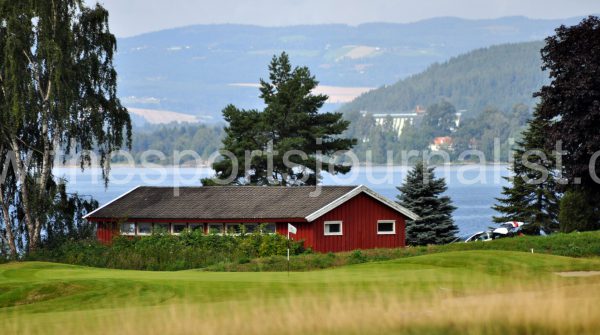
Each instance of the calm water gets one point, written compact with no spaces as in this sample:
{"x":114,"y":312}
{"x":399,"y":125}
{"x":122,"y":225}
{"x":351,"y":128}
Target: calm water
{"x":472,"y":188}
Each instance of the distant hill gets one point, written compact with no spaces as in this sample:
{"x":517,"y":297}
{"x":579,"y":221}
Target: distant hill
{"x":499,"y":76}
{"x":198,"y":70}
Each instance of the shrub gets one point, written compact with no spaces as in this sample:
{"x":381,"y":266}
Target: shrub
{"x":576,"y":213}
{"x":243,"y":253}
{"x":164,"y":252}
{"x":356,"y":257}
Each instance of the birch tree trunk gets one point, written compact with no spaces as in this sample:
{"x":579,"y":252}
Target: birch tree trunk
{"x":9,"y":239}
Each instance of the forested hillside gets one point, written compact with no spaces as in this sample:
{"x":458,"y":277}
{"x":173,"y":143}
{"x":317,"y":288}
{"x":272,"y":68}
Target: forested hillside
{"x":499,"y":76}
{"x":491,"y":87}
{"x":199,"y":70}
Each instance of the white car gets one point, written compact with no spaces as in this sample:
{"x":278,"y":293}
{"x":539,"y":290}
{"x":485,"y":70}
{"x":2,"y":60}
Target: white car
{"x":509,"y":228}
{"x":478,"y":236}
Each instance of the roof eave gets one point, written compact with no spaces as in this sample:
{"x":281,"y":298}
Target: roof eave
{"x":110,"y":202}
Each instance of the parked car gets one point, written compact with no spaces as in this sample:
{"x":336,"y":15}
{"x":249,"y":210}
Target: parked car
{"x":478,"y":236}
{"x":508,"y":229}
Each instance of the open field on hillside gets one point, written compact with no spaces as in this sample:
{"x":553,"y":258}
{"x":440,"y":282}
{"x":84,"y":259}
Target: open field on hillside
{"x":463,"y":292}
{"x":154,"y":116}
{"x":336,"y":94}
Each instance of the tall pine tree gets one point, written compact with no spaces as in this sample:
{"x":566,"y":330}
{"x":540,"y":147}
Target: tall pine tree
{"x":532,"y":196}
{"x":290,"y":140}
{"x":422,"y":194}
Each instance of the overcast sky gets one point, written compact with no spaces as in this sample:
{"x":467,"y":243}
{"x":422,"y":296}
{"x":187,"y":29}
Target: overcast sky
{"x":132,"y":17}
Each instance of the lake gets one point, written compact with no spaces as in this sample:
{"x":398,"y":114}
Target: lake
{"x":471,"y":187}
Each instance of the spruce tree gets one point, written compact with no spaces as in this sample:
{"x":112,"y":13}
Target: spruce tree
{"x":532,"y":196}
{"x":422,"y":194}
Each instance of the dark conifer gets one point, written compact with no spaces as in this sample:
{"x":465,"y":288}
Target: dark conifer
{"x":422,"y":194}
{"x":532,"y":196}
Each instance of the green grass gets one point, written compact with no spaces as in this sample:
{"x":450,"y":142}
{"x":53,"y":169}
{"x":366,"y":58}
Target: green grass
{"x":374,"y":297}
{"x":586,"y":244}
{"x":256,"y":252}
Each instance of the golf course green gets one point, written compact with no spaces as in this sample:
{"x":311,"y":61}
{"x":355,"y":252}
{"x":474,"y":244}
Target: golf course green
{"x":459,"y":292}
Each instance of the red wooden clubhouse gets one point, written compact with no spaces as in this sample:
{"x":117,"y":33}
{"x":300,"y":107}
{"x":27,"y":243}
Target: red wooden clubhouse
{"x":336,"y":218}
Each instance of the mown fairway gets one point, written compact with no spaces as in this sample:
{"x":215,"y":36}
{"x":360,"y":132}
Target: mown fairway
{"x":465,"y":292}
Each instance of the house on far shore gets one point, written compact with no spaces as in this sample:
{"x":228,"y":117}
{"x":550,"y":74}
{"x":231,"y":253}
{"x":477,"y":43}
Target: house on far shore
{"x":339,"y":218}
{"x":441,"y":143}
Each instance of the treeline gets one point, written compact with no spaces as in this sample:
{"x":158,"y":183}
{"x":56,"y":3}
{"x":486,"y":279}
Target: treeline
{"x":176,"y":137}
{"x":476,"y":131}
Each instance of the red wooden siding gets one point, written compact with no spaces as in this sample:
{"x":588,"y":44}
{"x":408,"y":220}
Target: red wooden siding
{"x":105,"y":231}
{"x":304,"y":232}
{"x":359,"y":217}
{"x":359,"y":228}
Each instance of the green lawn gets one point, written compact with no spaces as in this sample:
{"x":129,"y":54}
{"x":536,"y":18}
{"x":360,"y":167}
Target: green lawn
{"x":449,"y":292}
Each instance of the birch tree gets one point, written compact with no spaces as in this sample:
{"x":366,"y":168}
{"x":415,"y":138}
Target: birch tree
{"x":57,"y":90}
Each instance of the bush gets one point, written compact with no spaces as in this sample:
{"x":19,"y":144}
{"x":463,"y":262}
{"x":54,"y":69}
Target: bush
{"x":356,"y":257}
{"x":576,"y":213}
{"x":246,"y":253}
{"x":164,"y":252}
{"x":572,"y":245}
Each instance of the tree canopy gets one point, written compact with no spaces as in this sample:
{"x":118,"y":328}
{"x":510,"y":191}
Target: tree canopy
{"x":57,"y":91}
{"x":422,"y":194}
{"x":289,"y":141}
{"x":571,"y":102}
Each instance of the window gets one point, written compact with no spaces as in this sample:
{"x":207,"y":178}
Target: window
{"x":386,"y":227}
{"x":215,"y":228}
{"x":333,"y":228}
{"x":128,"y":228}
{"x":161,"y":228}
{"x":234,"y":228}
{"x":197,"y":226}
{"x":268,"y":228}
{"x":178,"y":228}
{"x":250,"y":228}
{"x":144,"y":228}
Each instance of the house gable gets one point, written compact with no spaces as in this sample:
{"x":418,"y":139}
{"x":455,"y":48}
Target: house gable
{"x":353,"y":193}
{"x":359,"y":217}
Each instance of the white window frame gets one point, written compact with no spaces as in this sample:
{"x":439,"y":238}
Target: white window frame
{"x":326,"y":223}
{"x":121,"y":232}
{"x":175,"y":224}
{"x":137,"y":228}
{"x":393,"y":232}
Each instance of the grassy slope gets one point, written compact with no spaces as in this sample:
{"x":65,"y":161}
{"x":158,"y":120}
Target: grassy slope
{"x":586,"y":244}
{"x":44,"y":298}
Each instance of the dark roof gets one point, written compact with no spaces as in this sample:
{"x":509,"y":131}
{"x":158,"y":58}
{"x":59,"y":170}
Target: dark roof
{"x":220,"y":202}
